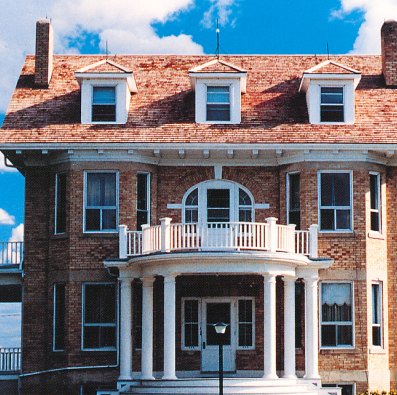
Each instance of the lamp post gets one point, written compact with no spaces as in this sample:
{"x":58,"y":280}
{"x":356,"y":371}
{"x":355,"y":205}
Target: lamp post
{"x":220,"y":329}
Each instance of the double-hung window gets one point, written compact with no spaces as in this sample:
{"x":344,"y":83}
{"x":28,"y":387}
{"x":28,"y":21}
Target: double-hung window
{"x":374,"y":186}
{"x":99,"y":316}
{"x":377,"y":314}
{"x":246,"y":325}
{"x":60,"y":203}
{"x":143,"y":199}
{"x":293,"y":199}
{"x":335,"y":201}
{"x":336,"y":315}
{"x":190,"y":330}
{"x":58,"y":342}
{"x":103,"y":104}
{"x":101,"y":201}
{"x":332,"y":104}
{"x":218,"y":103}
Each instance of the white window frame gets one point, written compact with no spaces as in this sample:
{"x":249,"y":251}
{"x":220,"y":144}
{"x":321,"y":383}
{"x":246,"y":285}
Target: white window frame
{"x":380,"y":314}
{"x":379,"y":209}
{"x":115,"y":325}
{"x":86,"y":172}
{"x":148,"y":183}
{"x":218,"y":184}
{"x":234,"y":97}
{"x":238,"y":347}
{"x":350,"y":172}
{"x":54,"y":318}
{"x":287,"y":192}
{"x":348,"y":347}
{"x":56,"y":205}
{"x":333,"y":104}
{"x":183,"y":346}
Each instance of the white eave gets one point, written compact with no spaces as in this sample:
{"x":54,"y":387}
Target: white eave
{"x":122,"y":74}
{"x":350,"y":74}
{"x":199,"y":72}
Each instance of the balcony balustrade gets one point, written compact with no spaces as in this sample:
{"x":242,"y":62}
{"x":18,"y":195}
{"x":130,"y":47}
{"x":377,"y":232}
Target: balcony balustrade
{"x":218,"y":236}
{"x":10,"y":359}
{"x":11,"y":253}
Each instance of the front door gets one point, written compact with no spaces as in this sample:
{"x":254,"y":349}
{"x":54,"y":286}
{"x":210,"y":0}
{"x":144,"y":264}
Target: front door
{"x":218,"y":311}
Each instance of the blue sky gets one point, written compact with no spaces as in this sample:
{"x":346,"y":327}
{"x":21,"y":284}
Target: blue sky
{"x":177,"y":26}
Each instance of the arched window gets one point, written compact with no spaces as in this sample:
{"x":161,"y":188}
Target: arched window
{"x":218,"y":201}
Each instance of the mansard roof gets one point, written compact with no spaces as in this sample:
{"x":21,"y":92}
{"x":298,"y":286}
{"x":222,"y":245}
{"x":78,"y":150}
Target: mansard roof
{"x":273,"y":111}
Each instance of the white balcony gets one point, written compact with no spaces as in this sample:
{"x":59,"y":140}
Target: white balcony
{"x":218,"y":236}
{"x":11,"y":253}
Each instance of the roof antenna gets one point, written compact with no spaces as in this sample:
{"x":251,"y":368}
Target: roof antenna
{"x":217,"y":39}
{"x":327,"y":50}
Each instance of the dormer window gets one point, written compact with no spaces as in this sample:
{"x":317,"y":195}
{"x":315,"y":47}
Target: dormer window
{"x":218,"y":103}
{"x":330,"y":90}
{"x":103,"y":104}
{"x":332,"y":107}
{"x":106,"y":89}
{"x":218,"y":87}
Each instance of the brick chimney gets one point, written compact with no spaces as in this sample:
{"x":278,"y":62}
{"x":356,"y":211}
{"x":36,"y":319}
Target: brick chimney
{"x":389,"y":52}
{"x":44,"y":53}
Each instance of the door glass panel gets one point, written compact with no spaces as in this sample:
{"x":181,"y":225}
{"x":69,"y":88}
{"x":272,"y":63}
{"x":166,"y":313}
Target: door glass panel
{"x":218,"y":312}
{"x":218,"y":205}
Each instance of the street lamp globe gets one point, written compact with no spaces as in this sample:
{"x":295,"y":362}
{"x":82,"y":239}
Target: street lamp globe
{"x":220,"y":328}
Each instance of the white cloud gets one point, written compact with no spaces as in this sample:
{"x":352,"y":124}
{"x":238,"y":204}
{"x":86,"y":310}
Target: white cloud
{"x":125,"y":24}
{"x":219,"y":9}
{"x":3,"y":167}
{"x":17,"y":233}
{"x":375,"y":13}
{"x":5,"y":218}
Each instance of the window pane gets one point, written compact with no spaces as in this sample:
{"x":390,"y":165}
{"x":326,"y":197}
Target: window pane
{"x":343,"y":219}
{"x":218,"y":112}
{"x":332,"y":95}
{"x":142,"y":189}
{"x":100,"y":304}
{"x":218,"y":94}
{"x":141,"y":218}
{"x":375,"y":221}
{"x":327,"y":219}
{"x":345,"y":335}
{"x":191,"y":311}
{"x":374,"y":191}
{"x":342,"y":189}
{"x":375,"y":304}
{"x":218,"y":312}
{"x":101,"y":189}
{"x":328,"y":335}
{"x":59,"y":318}
{"x":295,"y":218}
{"x":191,"y":215}
{"x":218,"y":215}
{"x":191,"y":335}
{"x":218,"y":198}
{"x":99,"y":337}
{"x":104,"y":95}
{"x":92,"y":219}
{"x":103,"y":113}
{"x":327,"y":189}
{"x":244,"y":199}
{"x":192,"y":198}
{"x":245,"y":215}
{"x":376,"y":336}
{"x":245,"y":310}
{"x":245,"y":335}
{"x":60,"y":220}
{"x":294,"y":191}
{"x":332,"y":113}
{"x":109,"y":219}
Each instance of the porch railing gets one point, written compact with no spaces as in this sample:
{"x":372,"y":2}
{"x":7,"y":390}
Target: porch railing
{"x":10,"y":359}
{"x":218,"y":236}
{"x":11,"y":253}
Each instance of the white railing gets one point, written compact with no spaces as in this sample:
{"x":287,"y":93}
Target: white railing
{"x":218,"y":236}
{"x":11,"y":252}
{"x":10,"y":359}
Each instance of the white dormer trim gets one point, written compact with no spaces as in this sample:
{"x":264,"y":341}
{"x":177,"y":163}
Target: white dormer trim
{"x":312,"y":82}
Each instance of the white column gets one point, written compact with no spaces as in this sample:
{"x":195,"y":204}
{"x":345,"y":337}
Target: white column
{"x":289,"y":328}
{"x":125,"y":329}
{"x":147,"y":329}
{"x":269,"y":326}
{"x":311,"y":328}
{"x":169,"y":328}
